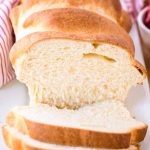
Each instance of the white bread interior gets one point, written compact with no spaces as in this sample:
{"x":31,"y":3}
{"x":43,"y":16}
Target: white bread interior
{"x":11,"y":135}
{"x":69,"y":73}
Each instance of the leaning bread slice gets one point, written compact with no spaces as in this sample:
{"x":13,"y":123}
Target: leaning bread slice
{"x":107,"y":124}
{"x":19,"y":141}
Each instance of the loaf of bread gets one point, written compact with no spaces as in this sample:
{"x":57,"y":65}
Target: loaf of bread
{"x":111,"y":9}
{"x":107,"y":124}
{"x":86,"y":59}
{"x":78,"y":64}
{"x":19,"y":141}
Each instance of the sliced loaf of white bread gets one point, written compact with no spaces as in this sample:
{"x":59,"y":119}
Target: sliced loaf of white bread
{"x":19,"y":141}
{"x":88,"y":59}
{"x":107,"y":124}
{"x":85,"y":59}
{"x":108,"y":8}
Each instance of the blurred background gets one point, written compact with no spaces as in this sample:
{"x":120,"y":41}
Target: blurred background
{"x":139,"y":11}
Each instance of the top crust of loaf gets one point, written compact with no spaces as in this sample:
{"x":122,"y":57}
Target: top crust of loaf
{"x":70,"y":20}
{"x":125,"y":21}
{"x":114,"y":12}
{"x":81,"y":23}
{"x":114,"y":6}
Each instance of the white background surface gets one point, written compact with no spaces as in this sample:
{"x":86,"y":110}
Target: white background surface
{"x":138,"y":101}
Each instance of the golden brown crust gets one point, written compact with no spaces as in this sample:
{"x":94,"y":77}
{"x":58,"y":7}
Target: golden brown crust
{"x":125,"y":21}
{"x":141,"y":68}
{"x":109,"y":7}
{"x":77,"y":137}
{"x":72,"y":20}
{"x":11,"y":142}
{"x":78,"y":21}
{"x":114,"y":12}
{"x":73,"y":136}
{"x":138,"y":135}
{"x":16,"y":144}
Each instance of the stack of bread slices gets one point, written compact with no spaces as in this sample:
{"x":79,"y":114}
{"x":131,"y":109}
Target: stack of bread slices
{"x":78,"y":63}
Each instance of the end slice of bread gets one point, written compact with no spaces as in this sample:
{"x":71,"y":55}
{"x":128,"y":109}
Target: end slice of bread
{"x":107,"y":124}
{"x":19,"y":141}
{"x":72,"y":73}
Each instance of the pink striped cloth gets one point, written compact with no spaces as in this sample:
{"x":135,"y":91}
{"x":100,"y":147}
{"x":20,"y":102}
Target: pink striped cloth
{"x":6,"y":41}
{"x":133,"y":7}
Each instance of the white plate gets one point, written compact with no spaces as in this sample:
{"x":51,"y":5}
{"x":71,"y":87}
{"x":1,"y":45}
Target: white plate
{"x":138,"y":100}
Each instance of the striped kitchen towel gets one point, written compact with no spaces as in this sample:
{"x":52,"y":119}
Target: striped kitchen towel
{"x":6,"y":41}
{"x":133,"y":7}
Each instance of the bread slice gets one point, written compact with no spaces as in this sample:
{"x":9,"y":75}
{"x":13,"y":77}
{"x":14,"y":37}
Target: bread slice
{"x":90,"y":59}
{"x":18,"y":141}
{"x":109,"y":9}
{"x":107,"y":124}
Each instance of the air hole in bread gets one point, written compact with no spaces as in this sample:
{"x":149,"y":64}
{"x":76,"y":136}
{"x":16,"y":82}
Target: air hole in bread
{"x":95,"y":45}
{"x":98,"y":56}
{"x":105,"y":86}
{"x":66,"y":48}
{"x":59,"y":59}
{"x":45,"y":66}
